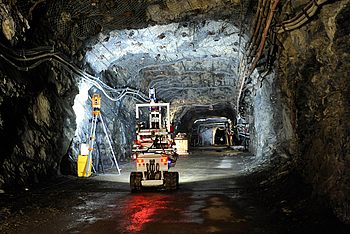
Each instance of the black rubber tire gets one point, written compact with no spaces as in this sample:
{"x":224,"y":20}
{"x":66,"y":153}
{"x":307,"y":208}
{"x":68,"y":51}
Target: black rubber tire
{"x":167,"y":180}
{"x":177,"y":179}
{"x":135,"y":181}
{"x":171,"y":180}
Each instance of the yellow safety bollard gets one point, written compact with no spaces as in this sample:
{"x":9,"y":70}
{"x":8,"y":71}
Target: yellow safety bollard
{"x":82,"y":161}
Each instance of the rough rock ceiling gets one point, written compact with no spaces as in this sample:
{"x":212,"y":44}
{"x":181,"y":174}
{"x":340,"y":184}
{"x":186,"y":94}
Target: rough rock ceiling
{"x":187,"y":63}
{"x":74,"y":23}
{"x":87,"y":17}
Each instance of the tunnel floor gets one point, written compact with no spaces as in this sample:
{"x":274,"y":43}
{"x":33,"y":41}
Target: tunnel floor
{"x":211,"y":199}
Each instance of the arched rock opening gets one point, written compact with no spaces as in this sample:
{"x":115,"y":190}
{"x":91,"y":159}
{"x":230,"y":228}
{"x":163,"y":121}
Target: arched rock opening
{"x":193,"y":65}
{"x":220,"y":136}
{"x":295,"y":108}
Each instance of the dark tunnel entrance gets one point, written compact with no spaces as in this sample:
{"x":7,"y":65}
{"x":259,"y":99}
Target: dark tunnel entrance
{"x":220,"y":137}
{"x":211,"y":131}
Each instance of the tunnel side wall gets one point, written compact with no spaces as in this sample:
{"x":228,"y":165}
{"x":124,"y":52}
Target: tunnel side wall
{"x":119,"y":119}
{"x":314,"y":80}
{"x":272,"y":135}
{"x":37,"y":123}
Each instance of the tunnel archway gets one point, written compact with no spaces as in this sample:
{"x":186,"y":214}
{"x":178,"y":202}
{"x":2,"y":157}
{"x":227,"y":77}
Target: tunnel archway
{"x":210,"y":131}
{"x":280,"y":103}
{"x":220,"y":137}
{"x":195,"y":74}
{"x":192,"y":120}
{"x":190,"y":62}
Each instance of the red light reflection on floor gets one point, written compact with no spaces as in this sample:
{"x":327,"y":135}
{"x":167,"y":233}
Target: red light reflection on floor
{"x":141,"y":209}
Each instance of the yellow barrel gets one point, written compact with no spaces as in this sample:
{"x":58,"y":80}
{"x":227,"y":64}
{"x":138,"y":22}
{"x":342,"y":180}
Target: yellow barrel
{"x":82,"y":161}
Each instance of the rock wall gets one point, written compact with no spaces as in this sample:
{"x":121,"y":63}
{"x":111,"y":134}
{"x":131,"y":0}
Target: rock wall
{"x":272,"y":136}
{"x":314,"y":80}
{"x":307,"y":99}
{"x":36,"y":122}
{"x":41,"y":123}
{"x":119,"y":119}
{"x":36,"y":116}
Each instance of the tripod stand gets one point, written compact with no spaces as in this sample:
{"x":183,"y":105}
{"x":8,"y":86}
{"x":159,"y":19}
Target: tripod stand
{"x":96,"y":118}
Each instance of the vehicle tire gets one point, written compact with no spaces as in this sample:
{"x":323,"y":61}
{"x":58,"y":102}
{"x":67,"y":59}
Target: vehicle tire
{"x":170,"y":180}
{"x":177,"y":179}
{"x":167,"y":180}
{"x":135,"y":181}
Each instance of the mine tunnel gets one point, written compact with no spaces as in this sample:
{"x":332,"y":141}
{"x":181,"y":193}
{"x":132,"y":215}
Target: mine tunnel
{"x":259,"y":89}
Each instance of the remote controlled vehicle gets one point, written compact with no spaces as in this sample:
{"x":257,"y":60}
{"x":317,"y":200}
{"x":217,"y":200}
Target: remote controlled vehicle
{"x":153,"y":150}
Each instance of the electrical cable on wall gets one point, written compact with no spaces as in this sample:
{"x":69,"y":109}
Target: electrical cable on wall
{"x":47,"y":54}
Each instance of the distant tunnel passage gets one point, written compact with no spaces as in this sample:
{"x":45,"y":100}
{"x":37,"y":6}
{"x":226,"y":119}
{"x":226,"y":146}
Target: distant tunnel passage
{"x":220,"y":137}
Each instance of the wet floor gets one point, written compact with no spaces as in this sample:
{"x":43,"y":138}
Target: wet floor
{"x":209,"y":200}
{"x":203,"y":204}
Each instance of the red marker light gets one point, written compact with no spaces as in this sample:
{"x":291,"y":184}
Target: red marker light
{"x":140,"y":160}
{"x":164,"y":160}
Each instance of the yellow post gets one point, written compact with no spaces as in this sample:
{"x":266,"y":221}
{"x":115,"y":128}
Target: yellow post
{"x":82,"y":161}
